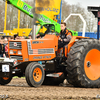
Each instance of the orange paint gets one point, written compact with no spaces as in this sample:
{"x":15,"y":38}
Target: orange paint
{"x":37,"y":74}
{"x":92,"y":64}
{"x":71,"y":43}
{"x":5,"y":78}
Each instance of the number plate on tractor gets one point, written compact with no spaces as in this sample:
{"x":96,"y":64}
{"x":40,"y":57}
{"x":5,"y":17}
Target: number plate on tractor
{"x":5,"y":68}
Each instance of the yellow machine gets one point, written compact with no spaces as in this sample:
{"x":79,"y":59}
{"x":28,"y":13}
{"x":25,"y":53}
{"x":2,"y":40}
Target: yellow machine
{"x":19,"y":31}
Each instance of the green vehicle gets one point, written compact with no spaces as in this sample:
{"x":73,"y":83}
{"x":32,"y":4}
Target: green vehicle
{"x":43,"y":20}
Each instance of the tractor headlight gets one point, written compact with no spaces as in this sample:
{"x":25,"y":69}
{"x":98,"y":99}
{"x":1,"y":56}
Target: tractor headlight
{"x":11,"y":52}
{"x":19,"y":52}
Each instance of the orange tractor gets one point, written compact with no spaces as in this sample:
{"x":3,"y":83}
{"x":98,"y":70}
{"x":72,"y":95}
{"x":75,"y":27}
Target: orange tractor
{"x":39,"y":62}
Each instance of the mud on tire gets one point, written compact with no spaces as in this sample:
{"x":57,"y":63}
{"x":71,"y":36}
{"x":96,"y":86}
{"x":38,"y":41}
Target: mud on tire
{"x":84,"y":64}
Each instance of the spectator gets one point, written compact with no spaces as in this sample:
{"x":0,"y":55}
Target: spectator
{"x":9,"y":38}
{"x":5,"y":38}
{"x":30,"y":37}
{"x":23,"y":37}
{"x":6,"y":50}
{"x":16,"y":37}
{"x":6,"y":47}
{"x":1,"y":37}
{"x":19,"y":37}
{"x":2,"y":49}
{"x":5,"y":42}
{"x":12,"y":38}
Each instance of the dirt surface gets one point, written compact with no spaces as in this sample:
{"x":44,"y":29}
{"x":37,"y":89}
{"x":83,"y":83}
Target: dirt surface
{"x":18,"y":89}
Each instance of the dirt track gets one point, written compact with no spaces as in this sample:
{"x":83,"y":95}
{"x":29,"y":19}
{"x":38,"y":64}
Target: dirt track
{"x":18,"y":89}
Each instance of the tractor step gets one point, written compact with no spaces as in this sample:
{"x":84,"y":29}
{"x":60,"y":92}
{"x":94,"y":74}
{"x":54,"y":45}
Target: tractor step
{"x":54,"y":74}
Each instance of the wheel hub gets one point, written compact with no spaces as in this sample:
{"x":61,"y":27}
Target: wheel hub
{"x":37,"y":74}
{"x":92,"y":64}
{"x":34,"y":74}
{"x":88,"y":64}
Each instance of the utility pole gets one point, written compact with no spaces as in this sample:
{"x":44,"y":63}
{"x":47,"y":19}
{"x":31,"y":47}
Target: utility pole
{"x":33,"y":25}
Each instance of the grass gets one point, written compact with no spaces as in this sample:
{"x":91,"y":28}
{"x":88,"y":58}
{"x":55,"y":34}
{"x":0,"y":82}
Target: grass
{"x":18,"y":77}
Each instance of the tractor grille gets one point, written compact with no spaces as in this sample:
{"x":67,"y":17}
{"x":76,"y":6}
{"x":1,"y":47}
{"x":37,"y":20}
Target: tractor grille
{"x":15,"y":45}
{"x":30,"y":51}
{"x":45,"y":51}
{"x":17,"y":57}
{"x":39,"y":51}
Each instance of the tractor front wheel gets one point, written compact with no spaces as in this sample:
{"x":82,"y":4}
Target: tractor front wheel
{"x":34,"y":74}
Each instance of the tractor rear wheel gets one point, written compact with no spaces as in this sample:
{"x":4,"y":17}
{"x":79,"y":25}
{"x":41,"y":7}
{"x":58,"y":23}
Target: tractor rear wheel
{"x":84,"y":64}
{"x":34,"y":74}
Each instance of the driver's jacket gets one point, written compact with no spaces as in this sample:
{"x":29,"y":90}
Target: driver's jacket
{"x":66,"y":35}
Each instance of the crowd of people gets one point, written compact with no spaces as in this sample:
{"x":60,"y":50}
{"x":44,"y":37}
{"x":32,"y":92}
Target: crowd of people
{"x":4,"y":43}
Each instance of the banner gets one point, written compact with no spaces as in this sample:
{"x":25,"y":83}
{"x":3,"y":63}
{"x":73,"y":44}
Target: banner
{"x":48,"y":7}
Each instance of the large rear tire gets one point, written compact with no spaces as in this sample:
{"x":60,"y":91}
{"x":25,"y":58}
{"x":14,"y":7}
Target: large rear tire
{"x":34,"y":74}
{"x":84,"y":64}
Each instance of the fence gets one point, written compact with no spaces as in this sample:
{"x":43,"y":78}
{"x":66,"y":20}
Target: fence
{"x":89,"y":34}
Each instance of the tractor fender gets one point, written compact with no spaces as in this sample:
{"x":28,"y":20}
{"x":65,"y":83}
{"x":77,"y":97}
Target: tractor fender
{"x":73,"y":40}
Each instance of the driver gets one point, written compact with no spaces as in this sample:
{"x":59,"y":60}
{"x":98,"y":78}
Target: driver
{"x":65,"y":36}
